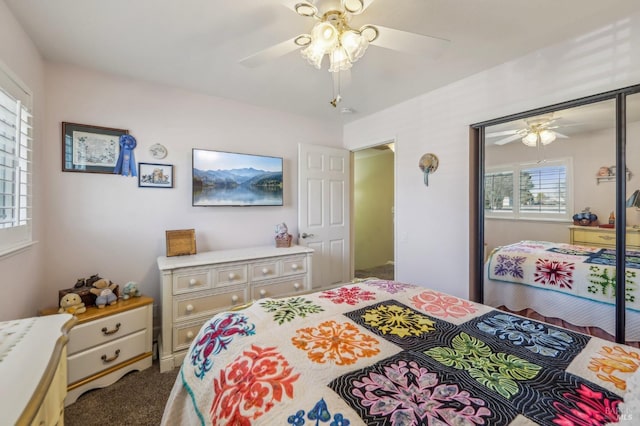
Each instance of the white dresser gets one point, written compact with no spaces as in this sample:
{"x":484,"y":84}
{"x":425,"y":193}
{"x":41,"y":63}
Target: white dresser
{"x":196,"y":287}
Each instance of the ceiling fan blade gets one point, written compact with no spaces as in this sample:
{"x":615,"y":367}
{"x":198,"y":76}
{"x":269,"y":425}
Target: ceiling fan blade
{"x":412,"y":43}
{"x":273,"y":52}
{"x":508,"y":139}
{"x":365,"y":5}
{"x":504,"y":133}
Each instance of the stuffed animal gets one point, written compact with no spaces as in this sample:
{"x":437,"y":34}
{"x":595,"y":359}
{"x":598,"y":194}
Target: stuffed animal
{"x":72,"y":304}
{"x":130,"y":290}
{"x":103,"y":289}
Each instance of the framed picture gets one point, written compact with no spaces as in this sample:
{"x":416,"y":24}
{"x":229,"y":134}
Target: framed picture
{"x":90,"y":149}
{"x":155,"y":175}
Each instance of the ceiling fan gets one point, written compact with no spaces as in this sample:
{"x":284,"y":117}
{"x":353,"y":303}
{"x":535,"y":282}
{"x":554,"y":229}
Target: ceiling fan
{"x":538,"y":131}
{"x":335,"y":35}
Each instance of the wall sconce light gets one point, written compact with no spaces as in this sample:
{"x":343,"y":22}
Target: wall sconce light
{"x":428,"y":164}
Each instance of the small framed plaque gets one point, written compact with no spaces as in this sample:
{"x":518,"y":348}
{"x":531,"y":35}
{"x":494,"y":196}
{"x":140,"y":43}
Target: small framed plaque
{"x":181,"y":242}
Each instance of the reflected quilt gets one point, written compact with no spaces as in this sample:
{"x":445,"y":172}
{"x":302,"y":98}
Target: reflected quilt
{"x":586,"y":272}
{"x":388,"y":353}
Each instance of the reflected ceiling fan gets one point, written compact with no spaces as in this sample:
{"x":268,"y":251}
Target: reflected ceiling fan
{"x":539,"y":131}
{"x":332,"y":35}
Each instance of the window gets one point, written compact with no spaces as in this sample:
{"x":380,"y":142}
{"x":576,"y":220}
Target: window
{"x":15,"y":163}
{"x":529,"y":191}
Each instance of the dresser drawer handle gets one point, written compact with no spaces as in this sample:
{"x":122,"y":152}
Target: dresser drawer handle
{"x":190,"y":335}
{"x":265,"y":271}
{"x":606,"y":237}
{"x":234,"y":298}
{"x":108,"y":332}
{"x":263,"y":292}
{"x":189,"y":308}
{"x":296,"y":285}
{"x":193,"y":282}
{"x":294,"y":266}
{"x":232,"y":276}
{"x":113,"y":358}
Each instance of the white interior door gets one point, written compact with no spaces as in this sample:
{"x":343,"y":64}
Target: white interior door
{"x":323,"y":211}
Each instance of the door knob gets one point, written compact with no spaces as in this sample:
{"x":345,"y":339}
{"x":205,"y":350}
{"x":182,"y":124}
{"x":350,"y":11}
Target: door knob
{"x":305,"y":235}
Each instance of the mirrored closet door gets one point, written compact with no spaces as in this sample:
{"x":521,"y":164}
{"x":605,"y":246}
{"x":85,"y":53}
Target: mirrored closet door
{"x":552,"y":204}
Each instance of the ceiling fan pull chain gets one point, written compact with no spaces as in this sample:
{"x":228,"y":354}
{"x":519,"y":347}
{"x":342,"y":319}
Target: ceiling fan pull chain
{"x":336,"y":90}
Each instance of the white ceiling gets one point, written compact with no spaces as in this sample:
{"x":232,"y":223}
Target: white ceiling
{"x":196,"y":44}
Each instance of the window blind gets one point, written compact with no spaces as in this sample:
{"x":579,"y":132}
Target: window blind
{"x":543,"y":189}
{"x":16,"y":163}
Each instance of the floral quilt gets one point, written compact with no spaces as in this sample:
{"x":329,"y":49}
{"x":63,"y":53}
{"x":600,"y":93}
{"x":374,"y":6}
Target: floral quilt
{"x":388,"y":353}
{"x":586,"y":272}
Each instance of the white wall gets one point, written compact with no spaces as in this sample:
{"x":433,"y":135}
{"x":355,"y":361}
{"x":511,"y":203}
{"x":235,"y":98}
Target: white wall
{"x":106,"y":224}
{"x":21,"y":274}
{"x":433,"y":222}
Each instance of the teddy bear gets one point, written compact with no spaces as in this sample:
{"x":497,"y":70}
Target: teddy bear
{"x":130,"y":290}
{"x":103,"y":289}
{"x":71,"y":303}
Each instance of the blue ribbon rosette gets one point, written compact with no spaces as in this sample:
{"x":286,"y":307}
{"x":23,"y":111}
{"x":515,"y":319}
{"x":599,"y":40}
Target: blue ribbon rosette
{"x":126,"y":162}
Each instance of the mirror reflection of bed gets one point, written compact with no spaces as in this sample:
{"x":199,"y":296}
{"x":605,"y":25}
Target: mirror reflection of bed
{"x":546,"y":258}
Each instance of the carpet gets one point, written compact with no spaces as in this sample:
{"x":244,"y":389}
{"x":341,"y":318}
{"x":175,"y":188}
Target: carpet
{"x":136,"y":399}
{"x":383,"y":272}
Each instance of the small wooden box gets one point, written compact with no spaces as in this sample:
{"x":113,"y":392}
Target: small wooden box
{"x":181,"y":242}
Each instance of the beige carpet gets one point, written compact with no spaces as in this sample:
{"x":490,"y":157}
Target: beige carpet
{"x":136,"y":399}
{"x":383,"y":272}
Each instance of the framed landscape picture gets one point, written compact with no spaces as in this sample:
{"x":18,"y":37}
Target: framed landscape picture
{"x":90,"y":149}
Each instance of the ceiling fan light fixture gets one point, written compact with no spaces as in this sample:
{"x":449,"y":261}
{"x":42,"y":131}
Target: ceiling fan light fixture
{"x":531,"y":139}
{"x":354,"y":43}
{"x":313,"y":54}
{"x":339,"y":60}
{"x":547,"y":136}
{"x":325,"y":35}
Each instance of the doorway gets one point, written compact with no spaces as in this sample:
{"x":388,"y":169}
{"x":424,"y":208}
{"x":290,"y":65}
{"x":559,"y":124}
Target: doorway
{"x":373,"y":211}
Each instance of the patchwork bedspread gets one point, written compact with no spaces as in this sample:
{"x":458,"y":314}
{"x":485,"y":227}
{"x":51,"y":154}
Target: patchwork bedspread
{"x":585,"y":272}
{"x":388,"y":353}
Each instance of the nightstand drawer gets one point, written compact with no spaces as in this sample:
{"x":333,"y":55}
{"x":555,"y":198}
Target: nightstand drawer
{"x":594,"y":238}
{"x":280,"y":288}
{"x":88,"y":363}
{"x":193,"y":280}
{"x":296,"y":265}
{"x":264,"y":271}
{"x":231,"y":275}
{"x":184,"y":335}
{"x":106,"y":329}
{"x":633,"y":240}
{"x":207,"y":305}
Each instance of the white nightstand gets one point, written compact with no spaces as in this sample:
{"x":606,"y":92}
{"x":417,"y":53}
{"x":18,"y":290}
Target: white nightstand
{"x":108,"y":343}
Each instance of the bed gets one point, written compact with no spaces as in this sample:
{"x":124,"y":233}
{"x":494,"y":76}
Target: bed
{"x":570,"y":285}
{"x":33,"y":369}
{"x":389,"y":353}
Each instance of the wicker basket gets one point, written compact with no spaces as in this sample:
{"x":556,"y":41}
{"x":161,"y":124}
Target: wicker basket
{"x":284,"y":242}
